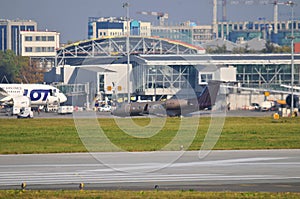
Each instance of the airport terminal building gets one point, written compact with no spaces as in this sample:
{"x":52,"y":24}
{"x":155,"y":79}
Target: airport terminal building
{"x":158,"y":67}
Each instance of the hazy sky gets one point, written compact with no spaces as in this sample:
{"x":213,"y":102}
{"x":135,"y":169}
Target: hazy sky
{"x":70,"y":17}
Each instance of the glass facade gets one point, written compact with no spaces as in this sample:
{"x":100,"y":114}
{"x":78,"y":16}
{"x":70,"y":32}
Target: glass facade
{"x":184,"y":35}
{"x":15,"y":39}
{"x":3,"y":37}
{"x":161,"y":79}
{"x":90,"y":30}
{"x":266,"y":76}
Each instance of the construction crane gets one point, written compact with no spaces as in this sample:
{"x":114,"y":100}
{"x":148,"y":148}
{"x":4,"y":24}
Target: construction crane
{"x":276,"y":3}
{"x":160,"y":16}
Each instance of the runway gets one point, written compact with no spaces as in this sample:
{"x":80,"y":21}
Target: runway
{"x":244,"y":170}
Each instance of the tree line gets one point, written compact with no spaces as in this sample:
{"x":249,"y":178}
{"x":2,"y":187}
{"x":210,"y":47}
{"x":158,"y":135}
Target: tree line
{"x":19,"y":69}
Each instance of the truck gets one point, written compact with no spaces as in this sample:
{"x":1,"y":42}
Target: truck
{"x":65,"y":110}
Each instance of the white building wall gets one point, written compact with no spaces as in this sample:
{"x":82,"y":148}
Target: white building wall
{"x":39,"y":43}
{"x":118,"y":80}
{"x":110,"y":32}
{"x":145,"y":29}
{"x":225,"y":74}
{"x":228,"y":74}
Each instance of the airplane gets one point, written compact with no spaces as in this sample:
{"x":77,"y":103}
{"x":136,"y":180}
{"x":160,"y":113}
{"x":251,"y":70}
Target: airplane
{"x":25,"y":95}
{"x":171,"y":107}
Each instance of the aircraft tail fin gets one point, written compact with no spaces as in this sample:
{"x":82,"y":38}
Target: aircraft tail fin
{"x":209,"y":94}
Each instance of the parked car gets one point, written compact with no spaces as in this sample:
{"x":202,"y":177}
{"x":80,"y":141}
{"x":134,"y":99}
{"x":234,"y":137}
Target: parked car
{"x":266,"y":105}
{"x":104,"y":108}
{"x":254,"y":107}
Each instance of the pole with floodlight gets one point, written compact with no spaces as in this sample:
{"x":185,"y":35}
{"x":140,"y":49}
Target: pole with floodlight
{"x":292,"y":4}
{"x":126,"y":5}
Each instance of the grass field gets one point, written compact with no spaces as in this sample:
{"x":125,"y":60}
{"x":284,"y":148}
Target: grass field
{"x":60,"y":135}
{"x":141,"y":194}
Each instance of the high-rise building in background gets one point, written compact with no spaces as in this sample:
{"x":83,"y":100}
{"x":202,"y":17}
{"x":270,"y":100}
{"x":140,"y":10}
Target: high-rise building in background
{"x":263,"y":29}
{"x":112,"y":26}
{"x":10,"y":37}
{"x":188,"y":32}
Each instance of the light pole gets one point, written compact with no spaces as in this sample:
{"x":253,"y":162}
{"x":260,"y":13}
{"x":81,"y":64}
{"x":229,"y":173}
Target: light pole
{"x":126,"y":5}
{"x":292,"y":4}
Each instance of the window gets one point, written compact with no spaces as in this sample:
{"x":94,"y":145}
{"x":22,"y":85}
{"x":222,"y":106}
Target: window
{"x":44,"y":38}
{"x":28,"y":49}
{"x":50,"y":49}
{"x":101,"y":83}
{"x":28,"y":38}
{"x":205,"y":77}
{"x":50,"y":38}
{"x":37,"y":38}
{"x":38,"y":49}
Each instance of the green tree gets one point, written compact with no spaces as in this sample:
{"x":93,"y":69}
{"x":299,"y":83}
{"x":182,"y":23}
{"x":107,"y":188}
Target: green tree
{"x":217,"y":50}
{"x":17,"y":69}
{"x":30,"y":73}
{"x":283,"y":49}
{"x":239,"y":50}
{"x":8,"y":65}
{"x":221,"y":49}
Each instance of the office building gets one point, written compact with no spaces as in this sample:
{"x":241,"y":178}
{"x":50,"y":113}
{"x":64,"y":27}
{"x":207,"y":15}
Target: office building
{"x":99,"y":27}
{"x":39,"y":43}
{"x":187,"y":32}
{"x":247,"y":30}
{"x":10,"y":33}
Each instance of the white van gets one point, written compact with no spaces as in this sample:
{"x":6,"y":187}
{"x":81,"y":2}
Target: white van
{"x":65,"y":110}
{"x":266,"y":105}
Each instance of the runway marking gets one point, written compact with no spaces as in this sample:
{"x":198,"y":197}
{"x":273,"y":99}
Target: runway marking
{"x":255,"y":169}
{"x":210,"y":162}
{"x":55,"y":178}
